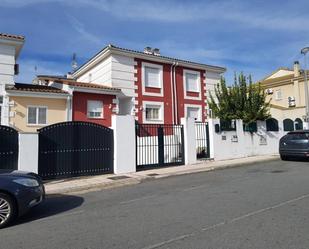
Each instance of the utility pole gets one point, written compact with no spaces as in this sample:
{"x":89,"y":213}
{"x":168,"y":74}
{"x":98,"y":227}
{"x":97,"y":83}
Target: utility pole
{"x":306,"y":119}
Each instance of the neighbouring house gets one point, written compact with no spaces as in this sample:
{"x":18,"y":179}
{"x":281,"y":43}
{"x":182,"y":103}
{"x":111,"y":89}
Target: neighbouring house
{"x":154,"y":88}
{"x":88,"y":102}
{"x":26,"y":107}
{"x":285,"y":91}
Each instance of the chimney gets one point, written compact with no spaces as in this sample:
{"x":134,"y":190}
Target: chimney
{"x":148,"y":50}
{"x":296,"y":69}
{"x":156,"y":51}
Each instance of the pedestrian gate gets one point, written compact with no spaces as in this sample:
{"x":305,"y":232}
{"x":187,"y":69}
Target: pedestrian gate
{"x":159,"y":145}
{"x":8,"y":148}
{"x":202,"y":140}
{"x":74,"y":149}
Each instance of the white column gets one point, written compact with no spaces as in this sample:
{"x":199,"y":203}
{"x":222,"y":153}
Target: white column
{"x":189,"y":140}
{"x":124,"y":144}
{"x":28,"y":155}
{"x":211,"y":125}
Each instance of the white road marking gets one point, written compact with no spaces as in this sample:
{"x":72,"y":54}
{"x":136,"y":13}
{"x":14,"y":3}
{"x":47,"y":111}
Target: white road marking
{"x":138,"y":199}
{"x":227,"y":222}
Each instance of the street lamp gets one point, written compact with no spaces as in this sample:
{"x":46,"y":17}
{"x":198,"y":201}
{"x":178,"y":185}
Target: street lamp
{"x":304,"y":51}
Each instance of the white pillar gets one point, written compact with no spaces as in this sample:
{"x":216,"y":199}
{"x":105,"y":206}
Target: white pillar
{"x":28,"y":154}
{"x":211,"y":125}
{"x":124,"y":144}
{"x":189,"y":140}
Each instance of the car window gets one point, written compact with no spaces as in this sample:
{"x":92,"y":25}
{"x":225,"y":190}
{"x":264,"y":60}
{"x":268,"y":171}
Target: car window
{"x":298,"y":136}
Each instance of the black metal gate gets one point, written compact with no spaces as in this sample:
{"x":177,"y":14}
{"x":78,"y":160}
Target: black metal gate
{"x":202,"y":140}
{"x":159,"y":145}
{"x":8,"y":148}
{"x":74,"y":149}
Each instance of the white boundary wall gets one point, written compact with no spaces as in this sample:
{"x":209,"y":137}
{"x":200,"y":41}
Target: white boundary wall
{"x":124,"y":144}
{"x":236,"y":144}
{"x":28,"y":153}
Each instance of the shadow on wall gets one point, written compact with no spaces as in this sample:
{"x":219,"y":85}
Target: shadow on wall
{"x":53,"y":205}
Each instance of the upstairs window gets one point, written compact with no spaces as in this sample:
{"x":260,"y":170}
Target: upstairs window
{"x":37,"y":115}
{"x":278,"y":94}
{"x":152,"y":75}
{"x":192,"y":82}
{"x":94,"y":109}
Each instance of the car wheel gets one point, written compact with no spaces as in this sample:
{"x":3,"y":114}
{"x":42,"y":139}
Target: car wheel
{"x":284,"y":158}
{"x":7,"y":210}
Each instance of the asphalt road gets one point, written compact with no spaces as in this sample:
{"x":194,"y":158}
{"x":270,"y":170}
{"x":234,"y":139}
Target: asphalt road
{"x":264,"y":205}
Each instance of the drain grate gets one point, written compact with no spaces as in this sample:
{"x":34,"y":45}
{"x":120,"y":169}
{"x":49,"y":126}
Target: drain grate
{"x":277,"y":171}
{"x":153,"y":174}
{"x":118,"y":177}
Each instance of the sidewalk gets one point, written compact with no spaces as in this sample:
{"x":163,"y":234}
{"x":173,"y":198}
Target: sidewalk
{"x":93,"y":183}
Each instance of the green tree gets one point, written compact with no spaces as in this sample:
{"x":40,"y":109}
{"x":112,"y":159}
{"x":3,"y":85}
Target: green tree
{"x":243,"y":100}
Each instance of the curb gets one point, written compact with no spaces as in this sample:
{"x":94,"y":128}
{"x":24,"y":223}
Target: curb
{"x":141,"y":179}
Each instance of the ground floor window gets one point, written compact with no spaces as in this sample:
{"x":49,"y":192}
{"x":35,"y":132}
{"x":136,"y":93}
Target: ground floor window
{"x":153,"y":112}
{"x":94,"y":109}
{"x":37,"y":115}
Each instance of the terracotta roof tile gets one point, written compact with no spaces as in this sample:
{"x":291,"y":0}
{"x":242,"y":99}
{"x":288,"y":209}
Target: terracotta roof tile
{"x":34,"y":88}
{"x":18,"y":37}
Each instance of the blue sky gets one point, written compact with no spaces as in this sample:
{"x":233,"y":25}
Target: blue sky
{"x":255,"y":37}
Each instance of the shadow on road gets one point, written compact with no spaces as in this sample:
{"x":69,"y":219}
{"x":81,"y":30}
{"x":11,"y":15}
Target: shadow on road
{"x":53,"y":205}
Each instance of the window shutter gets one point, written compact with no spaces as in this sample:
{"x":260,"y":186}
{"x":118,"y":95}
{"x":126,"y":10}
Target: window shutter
{"x":42,"y":115}
{"x":95,"y":109}
{"x":31,"y":115}
{"x":191,"y":82}
{"x":152,"y":77}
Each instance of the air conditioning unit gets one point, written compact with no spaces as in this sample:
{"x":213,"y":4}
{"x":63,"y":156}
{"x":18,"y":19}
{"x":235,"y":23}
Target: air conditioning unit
{"x":291,"y":101}
{"x":269,"y":91}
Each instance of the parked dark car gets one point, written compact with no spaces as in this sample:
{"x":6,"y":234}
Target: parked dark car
{"x":19,"y":192}
{"x":294,"y":144}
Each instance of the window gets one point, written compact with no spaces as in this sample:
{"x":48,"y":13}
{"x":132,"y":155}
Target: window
{"x":192,"y":82}
{"x":152,"y":77}
{"x":153,"y":113}
{"x":193,"y":112}
{"x":272,"y":124}
{"x":37,"y":115}
{"x":278,"y":95}
{"x":94,"y":109}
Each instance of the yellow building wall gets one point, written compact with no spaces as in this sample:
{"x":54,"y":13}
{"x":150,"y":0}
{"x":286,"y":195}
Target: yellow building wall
{"x":285,"y":111}
{"x":56,"y":112}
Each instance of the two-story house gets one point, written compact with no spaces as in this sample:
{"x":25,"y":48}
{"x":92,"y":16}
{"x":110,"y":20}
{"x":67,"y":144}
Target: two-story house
{"x":154,"y":88}
{"x":26,"y":107}
{"x":285,"y":91}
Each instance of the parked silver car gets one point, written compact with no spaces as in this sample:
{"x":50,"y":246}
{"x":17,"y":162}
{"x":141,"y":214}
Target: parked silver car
{"x":294,"y":144}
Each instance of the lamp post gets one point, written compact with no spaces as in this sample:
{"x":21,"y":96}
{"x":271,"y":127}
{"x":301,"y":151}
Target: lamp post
{"x":304,"y":52}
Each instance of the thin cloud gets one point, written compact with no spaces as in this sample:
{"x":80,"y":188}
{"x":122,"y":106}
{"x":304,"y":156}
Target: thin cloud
{"x":80,"y":28}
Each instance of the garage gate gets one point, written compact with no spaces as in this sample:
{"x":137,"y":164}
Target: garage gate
{"x":8,"y":148}
{"x":75,"y":149}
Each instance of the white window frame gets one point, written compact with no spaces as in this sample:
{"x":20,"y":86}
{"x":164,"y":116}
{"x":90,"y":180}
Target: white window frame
{"x":199,"y":119}
{"x":276,"y":94}
{"x":37,"y":115}
{"x":161,"y":112}
{"x":160,"y":67}
{"x":102,"y":113}
{"x":185,"y":71}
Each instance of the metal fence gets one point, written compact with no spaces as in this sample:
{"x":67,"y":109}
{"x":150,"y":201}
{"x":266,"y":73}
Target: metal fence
{"x":8,"y":148}
{"x":159,"y":145}
{"x":202,"y":140}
